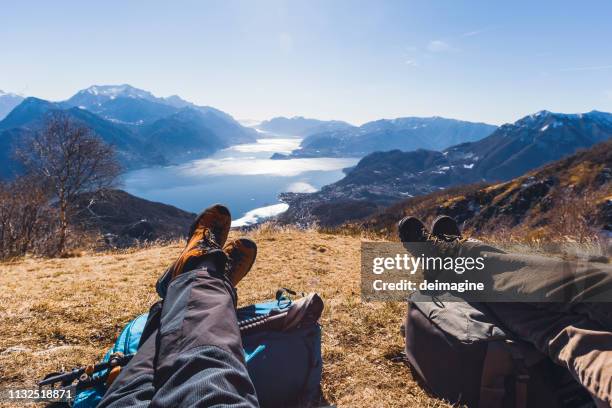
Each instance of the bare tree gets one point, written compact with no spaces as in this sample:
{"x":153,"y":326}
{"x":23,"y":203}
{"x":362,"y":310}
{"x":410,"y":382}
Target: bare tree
{"x":24,"y":223}
{"x":69,"y":159}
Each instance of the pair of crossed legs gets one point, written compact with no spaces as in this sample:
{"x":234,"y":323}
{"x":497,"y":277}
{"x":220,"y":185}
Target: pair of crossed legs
{"x":191,"y":353}
{"x":563,"y":308}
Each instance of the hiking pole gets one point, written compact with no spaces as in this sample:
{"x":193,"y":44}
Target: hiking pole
{"x":246,"y":322}
{"x":262,"y":322}
{"x":83,"y":373}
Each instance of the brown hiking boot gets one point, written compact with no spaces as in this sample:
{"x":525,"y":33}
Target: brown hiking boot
{"x":241,"y":255}
{"x":207,"y":233}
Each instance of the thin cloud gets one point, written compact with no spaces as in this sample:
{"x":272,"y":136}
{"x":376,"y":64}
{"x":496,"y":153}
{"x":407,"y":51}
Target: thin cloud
{"x":591,"y":68}
{"x":473,"y":33}
{"x":438,"y":46}
{"x":478,"y":31}
{"x":411,"y":63}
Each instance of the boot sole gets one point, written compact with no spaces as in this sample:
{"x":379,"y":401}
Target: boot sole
{"x":250,"y":243}
{"x":403,"y":224}
{"x":448,"y":222}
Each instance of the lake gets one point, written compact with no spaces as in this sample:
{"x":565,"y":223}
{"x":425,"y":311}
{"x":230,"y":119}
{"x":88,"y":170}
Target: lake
{"x":241,"y":177}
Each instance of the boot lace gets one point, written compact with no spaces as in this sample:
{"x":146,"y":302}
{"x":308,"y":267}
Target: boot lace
{"x":208,"y":241}
{"x":447,"y":244}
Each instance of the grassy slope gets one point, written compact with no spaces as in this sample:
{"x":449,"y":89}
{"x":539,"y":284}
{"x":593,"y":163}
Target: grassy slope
{"x":60,"y":313}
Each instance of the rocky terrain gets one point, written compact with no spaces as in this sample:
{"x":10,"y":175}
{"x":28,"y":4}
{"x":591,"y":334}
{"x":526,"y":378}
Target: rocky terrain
{"x":383,"y":178}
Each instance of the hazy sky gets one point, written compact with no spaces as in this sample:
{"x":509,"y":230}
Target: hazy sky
{"x":491,"y":61}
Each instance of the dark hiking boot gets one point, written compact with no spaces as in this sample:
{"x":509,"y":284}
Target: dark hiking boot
{"x":241,"y":254}
{"x":446,"y":228}
{"x":207,"y":235}
{"x":411,"y":229}
{"x":416,"y":238}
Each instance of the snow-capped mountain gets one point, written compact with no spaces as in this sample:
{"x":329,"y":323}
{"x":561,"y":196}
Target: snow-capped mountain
{"x":146,"y":130}
{"x":96,"y":95}
{"x":532,"y":141}
{"x":128,"y":105}
{"x":384,"y":177}
{"x":137,"y":108}
{"x":8,"y":101}
{"x":533,"y":200}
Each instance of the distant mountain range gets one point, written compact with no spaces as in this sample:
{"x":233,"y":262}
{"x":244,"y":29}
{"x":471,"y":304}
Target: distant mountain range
{"x":300,"y":126}
{"x":561,"y":198}
{"x":8,"y":101}
{"x":145,"y":130}
{"x":382,"y":178}
{"x":409,"y":133}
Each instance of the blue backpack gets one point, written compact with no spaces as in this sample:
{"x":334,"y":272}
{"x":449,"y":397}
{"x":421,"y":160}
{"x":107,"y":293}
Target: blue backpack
{"x":285,"y":367}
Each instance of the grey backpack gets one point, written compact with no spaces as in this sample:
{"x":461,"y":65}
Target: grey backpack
{"x":461,"y":354}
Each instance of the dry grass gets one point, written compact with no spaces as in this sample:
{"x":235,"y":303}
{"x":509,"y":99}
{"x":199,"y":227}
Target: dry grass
{"x":60,"y":313}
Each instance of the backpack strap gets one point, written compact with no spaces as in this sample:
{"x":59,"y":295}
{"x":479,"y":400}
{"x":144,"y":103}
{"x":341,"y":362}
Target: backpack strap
{"x":496,"y":367}
{"x":503,"y":360}
{"x":311,"y":389}
{"x":521,"y":376}
{"x":283,"y":297}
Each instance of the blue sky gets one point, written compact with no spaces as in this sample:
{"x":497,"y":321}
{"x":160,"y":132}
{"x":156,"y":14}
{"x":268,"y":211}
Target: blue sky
{"x":491,"y":61}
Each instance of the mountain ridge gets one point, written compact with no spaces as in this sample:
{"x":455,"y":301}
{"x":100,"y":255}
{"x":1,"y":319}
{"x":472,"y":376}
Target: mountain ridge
{"x":131,"y":119}
{"x":97,"y":97}
{"x":123,"y":219}
{"x":8,"y":101}
{"x":28,"y":118}
{"x":571,"y":196}
{"x":406,"y":133}
{"x":382,"y":178}
{"x":300,"y":126}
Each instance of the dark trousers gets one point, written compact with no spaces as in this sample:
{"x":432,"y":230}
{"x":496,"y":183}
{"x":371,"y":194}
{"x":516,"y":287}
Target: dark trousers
{"x":193,"y":356}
